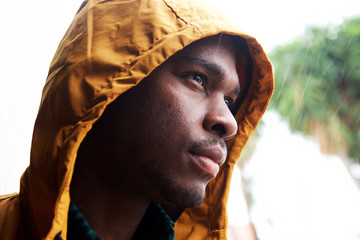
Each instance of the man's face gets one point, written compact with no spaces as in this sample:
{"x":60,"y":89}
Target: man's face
{"x":167,"y":136}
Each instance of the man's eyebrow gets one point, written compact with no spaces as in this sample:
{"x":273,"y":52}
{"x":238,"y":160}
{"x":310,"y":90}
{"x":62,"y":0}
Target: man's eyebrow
{"x":211,"y":67}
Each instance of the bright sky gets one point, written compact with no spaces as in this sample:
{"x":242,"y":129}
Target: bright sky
{"x":300,"y":193}
{"x":31,"y":30}
{"x":278,"y":21}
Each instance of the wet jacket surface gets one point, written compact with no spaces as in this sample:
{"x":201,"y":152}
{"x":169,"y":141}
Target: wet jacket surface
{"x":109,"y":48}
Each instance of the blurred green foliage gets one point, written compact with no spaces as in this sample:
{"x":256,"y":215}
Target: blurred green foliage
{"x":317,"y":86}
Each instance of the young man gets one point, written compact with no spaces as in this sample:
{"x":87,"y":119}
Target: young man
{"x":146,"y":108}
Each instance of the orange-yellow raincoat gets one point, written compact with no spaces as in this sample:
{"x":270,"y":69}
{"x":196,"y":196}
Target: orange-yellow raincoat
{"x":110,"y":47}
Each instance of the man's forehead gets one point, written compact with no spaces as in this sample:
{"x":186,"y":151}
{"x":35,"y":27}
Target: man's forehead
{"x":200,"y":50}
{"x":188,"y":58}
{"x":213,"y":41}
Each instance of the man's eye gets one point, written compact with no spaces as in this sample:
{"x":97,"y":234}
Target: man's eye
{"x":228,"y":102}
{"x":199,"y":78}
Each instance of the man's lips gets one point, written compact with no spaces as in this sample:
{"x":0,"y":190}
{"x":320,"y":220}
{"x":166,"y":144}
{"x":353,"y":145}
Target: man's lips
{"x":209,"y":158}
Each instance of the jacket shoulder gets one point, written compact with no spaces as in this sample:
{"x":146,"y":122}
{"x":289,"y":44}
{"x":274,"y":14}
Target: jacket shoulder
{"x":12,"y":220}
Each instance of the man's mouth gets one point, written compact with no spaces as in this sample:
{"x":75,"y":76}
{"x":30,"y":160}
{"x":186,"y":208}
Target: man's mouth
{"x":209,"y":158}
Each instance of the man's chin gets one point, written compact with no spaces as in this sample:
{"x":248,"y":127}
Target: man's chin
{"x":182,"y":196}
{"x":175,"y":191}
{"x":190,"y":198}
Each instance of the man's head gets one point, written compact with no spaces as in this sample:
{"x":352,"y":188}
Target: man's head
{"x":165,"y":138}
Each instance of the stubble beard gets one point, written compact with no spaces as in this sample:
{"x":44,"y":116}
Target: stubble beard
{"x":172,"y":192}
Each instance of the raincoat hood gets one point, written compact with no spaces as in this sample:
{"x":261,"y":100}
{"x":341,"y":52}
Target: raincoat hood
{"x":109,"y":48}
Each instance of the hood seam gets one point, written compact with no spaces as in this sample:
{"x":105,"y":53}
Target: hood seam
{"x":182,"y":19}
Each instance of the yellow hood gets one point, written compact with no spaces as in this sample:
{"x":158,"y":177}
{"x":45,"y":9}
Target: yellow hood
{"x":106,"y":51}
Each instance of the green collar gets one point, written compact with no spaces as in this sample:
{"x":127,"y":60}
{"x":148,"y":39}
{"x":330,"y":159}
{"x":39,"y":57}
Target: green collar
{"x":155,"y":224}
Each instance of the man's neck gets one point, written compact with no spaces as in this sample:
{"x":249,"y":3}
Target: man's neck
{"x":112,"y":215}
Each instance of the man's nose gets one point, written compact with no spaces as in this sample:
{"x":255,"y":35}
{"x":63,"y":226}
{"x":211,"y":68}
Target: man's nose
{"x":219,"y":120}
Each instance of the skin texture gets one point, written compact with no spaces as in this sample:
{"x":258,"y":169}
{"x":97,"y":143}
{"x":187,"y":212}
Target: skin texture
{"x":162,"y":140}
